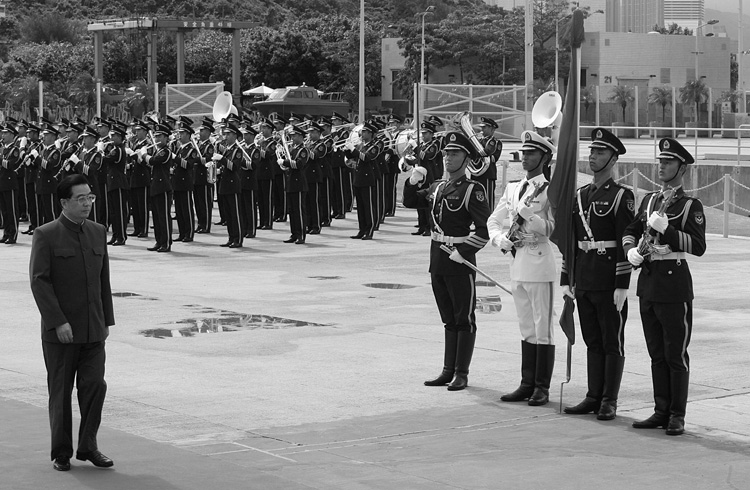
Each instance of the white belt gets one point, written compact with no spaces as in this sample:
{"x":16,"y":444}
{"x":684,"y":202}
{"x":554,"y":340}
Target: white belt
{"x":669,"y":256}
{"x":448,"y":240}
{"x":529,"y":239}
{"x":599,"y":246}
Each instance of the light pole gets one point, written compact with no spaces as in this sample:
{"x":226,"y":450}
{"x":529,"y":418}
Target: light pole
{"x":428,"y":10}
{"x":709,"y":23}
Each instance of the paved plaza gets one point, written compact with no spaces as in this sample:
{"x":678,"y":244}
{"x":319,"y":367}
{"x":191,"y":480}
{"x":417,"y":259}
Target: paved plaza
{"x":282,"y":366}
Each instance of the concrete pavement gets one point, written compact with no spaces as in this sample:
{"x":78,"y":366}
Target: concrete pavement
{"x":287,"y":366}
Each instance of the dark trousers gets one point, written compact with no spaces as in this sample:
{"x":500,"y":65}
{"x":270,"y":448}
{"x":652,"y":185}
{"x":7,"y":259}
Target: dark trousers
{"x":379,"y":202}
{"x":235,"y":226}
{"x":366,"y":210}
{"x":139,"y":210}
{"x":32,"y":206}
{"x":423,"y":218}
{"x":602,"y":326}
{"x":84,"y":364}
{"x":204,"y":205}
{"x":118,"y":205}
{"x":324,"y":201}
{"x":456,"y":301}
{"x":279,"y":198}
{"x":9,"y":210}
{"x":102,"y":211}
{"x":340,"y":197}
{"x":313,"y":207}
{"x":348,"y":195}
{"x":265,"y":202}
{"x":161,"y":206}
{"x":389,"y":181}
{"x":21,"y":194}
{"x":46,"y":208}
{"x":185,"y":213}
{"x":249,"y":212}
{"x":297,"y":213}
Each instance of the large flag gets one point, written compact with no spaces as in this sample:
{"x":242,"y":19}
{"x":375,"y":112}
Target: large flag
{"x":562,"y":187}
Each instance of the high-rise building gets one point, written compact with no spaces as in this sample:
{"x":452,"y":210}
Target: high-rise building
{"x":685,"y":13}
{"x":634,"y":15}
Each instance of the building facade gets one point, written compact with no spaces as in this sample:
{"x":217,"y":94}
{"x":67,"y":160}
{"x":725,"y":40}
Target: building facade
{"x":685,"y":13}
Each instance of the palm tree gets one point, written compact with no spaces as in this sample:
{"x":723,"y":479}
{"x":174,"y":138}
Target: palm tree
{"x":588,"y":97}
{"x":694,"y":92}
{"x":663,"y":97}
{"x":83,"y":91}
{"x":138,"y":99}
{"x":731,"y":96}
{"x":621,"y":94}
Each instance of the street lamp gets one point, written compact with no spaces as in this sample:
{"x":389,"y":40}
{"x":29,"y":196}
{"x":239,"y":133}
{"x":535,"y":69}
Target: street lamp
{"x":428,"y":10}
{"x":709,"y":23}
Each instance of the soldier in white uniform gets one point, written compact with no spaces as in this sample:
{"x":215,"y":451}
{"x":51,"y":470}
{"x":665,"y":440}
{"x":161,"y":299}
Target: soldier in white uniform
{"x":532,"y":266}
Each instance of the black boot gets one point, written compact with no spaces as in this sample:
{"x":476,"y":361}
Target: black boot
{"x":595,"y":374}
{"x":613,"y":366}
{"x":463,"y":359}
{"x":679,"y":382}
{"x":545,"y":364}
{"x":449,"y":360}
{"x":528,"y":372}
{"x":660,"y":380}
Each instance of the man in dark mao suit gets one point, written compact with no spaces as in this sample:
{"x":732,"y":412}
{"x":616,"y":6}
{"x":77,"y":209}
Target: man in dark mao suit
{"x":69,"y":274}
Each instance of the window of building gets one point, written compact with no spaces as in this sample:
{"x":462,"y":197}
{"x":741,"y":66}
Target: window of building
{"x":593,"y":42}
{"x":395,"y":92}
{"x":665,"y":76}
{"x":606,"y":42}
{"x":690,"y":74}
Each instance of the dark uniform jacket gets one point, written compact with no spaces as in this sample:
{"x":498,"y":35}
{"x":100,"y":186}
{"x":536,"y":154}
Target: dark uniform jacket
{"x":89,"y":164}
{"x":186,"y":159}
{"x":295,"y":179}
{"x":493,"y":148}
{"x":455,"y":206}
{"x":314,"y":169}
{"x":266,"y":167}
{"x":140,"y":174}
{"x":428,"y":155}
{"x":248,"y":173}
{"x":160,"y":163}
{"x":365,"y":174}
{"x":231,"y":164}
{"x":669,"y":281}
{"x":115,"y":160}
{"x":32,"y":163}
{"x":607,"y":213}
{"x":49,"y":166}
{"x":69,"y":273}
{"x":200,"y":171}
{"x":11,"y":161}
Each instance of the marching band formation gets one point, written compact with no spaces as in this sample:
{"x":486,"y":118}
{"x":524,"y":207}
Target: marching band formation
{"x":305,"y":170}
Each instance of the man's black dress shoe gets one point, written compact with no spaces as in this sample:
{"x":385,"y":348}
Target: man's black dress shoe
{"x":10,"y":241}
{"x":280,"y":220}
{"x":3,"y":239}
{"x":95,"y":457}
{"x":358,"y":236}
{"x":61,"y":463}
{"x":676,"y":425}
{"x":135,"y":233}
{"x":291,"y":239}
{"x":367,"y":237}
{"x":249,"y":235}
{"x":111,"y":241}
{"x":226,"y":244}
{"x":178,"y":239}
{"x":300,"y":241}
{"x":187,"y":240}
{"x":221,"y":223}
{"x":418,"y":232}
{"x":266,"y":227}
{"x":154,"y":248}
{"x":653,"y":422}
{"x":164,"y":249}
{"x":314,"y":232}
{"x":117,"y":243}
{"x":588,"y":405}
{"x":235,"y":245}
{"x":426,"y":233}
{"x":142,"y":235}
{"x":339,"y":216}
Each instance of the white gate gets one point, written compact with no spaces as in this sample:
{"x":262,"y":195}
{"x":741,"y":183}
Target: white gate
{"x":506,"y":104}
{"x":193,"y":100}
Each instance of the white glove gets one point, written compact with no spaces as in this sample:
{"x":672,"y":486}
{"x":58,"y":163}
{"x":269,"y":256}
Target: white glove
{"x":142,"y":151}
{"x":569,"y":292}
{"x":658,"y":222}
{"x":147,"y":158}
{"x":34,"y":153}
{"x":503,"y":242}
{"x":387,"y":157}
{"x":456,"y":257}
{"x":24,"y":141}
{"x":58,"y":144}
{"x":634,"y":257}
{"x":525,"y":212}
{"x":417,"y":175}
{"x":129,"y":152}
{"x":183,"y":163}
{"x":619,"y":298}
{"x":216,"y":157}
{"x":74,"y":159}
{"x":280,"y":162}
{"x":100,"y":146}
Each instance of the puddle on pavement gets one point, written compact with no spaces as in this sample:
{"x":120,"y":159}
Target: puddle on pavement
{"x":324,"y":278}
{"x":387,"y":285}
{"x":227,"y":321}
{"x":484,"y":284}
{"x":489,"y":304}
{"x":124,"y":294}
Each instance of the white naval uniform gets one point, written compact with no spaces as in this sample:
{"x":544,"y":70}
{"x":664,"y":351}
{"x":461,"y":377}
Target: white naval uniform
{"x":532,"y":270}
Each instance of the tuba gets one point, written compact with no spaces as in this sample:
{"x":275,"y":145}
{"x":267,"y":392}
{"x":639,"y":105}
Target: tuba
{"x":478,"y":167}
{"x":547,"y":113}
{"x":223,"y":106}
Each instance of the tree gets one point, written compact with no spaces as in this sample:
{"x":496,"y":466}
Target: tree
{"x":672,"y":30}
{"x":661,"y":96}
{"x":621,"y":94}
{"x":731,"y":96}
{"x":694,"y":92}
{"x":50,"y":28}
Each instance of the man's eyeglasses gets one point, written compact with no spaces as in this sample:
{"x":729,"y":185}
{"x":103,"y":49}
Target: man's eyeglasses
{"x":84,"y":199}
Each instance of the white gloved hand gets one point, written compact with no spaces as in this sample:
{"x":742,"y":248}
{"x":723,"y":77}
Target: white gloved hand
{"x":34,"y":153}
{"x":658,"y":222}
{"x":280,"y":162}
{"x":568,"y":292}
{"x":100,"y":146}
{"x":456,"y":257}
{"x":634,"y":257}
{"x":74,"y":159}
{"x":503,"y":242}
{"x":142,"y":151}
{"x":525,"y":212}
{"x":417,"y":175}
{"x":147,"y":158}
{"x":129,"y":152}
{"x":58,"y":144}
{"x":216,"y":157}
{"x":619,"y":298}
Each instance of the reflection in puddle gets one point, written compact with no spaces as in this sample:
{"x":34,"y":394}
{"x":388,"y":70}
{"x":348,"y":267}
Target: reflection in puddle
{"x":227,"y":321}
{"x":386,"y":285}
{"x":124,"y":294}
{"x":489,"y":304}
{"x":324,"y":278}
{"x":484,"y":284}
